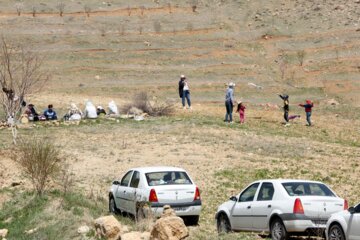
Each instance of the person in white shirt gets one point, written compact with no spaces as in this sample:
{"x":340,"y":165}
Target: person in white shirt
{"x":186,"y":94}
{"x":90,"y":110}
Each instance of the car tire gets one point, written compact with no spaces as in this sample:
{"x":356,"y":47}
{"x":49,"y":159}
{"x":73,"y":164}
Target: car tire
{"x":278,"y":230}
{"x":336,"y":233}
{"x":112,"y":206}
{"x":223,"y":224}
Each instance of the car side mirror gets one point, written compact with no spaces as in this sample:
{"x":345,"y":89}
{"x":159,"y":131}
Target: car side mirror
{"x":116,"y":182}
{"x":233,"y":198}
{"x":351,"y":210}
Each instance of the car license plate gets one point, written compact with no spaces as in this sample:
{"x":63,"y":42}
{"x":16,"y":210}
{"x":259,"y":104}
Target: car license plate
{"x":180,"y":209}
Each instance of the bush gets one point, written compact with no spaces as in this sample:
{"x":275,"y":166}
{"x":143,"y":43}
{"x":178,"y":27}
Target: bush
{"x":153,"y":108}
{"x":39,"y":160}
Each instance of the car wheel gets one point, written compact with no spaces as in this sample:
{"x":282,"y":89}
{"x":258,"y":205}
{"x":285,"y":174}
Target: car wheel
{"x":336,"y":233}
{"x":223,"y":224}
{"x":112,"y":206}
{"x":278,"y":230}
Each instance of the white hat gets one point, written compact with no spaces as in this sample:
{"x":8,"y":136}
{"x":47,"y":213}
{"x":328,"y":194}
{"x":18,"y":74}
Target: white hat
{"x":231,"y":84}
{"x":182,"y":76}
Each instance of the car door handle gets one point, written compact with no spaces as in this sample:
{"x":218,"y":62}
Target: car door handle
{"x":269,"y":206}
{"x":248,"y":207}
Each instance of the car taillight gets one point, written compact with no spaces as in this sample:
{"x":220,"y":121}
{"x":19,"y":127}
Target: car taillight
{"x":153,"y":196}
{"x":298,"y":207}
{"x":197,"y":194}
{"x":346,"y":205}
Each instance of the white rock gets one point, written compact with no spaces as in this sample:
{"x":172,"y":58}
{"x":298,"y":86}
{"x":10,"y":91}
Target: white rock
{"x":83,"y":229}
{"x":3,"y":233}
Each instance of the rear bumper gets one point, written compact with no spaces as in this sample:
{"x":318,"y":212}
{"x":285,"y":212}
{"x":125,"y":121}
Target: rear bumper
{"x":181,"y":209}
{"x":299,"y":223}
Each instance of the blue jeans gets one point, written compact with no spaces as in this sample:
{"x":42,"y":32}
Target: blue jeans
{"x":229,"y":110}
{"x":308,"y":118}
{"x":186,"y":94}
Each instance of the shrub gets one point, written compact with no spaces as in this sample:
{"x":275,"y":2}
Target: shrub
{"x":39,"y":161}
{"x":301,"y":55}
{"x":153,"y":108}
{"x":60,"y":7}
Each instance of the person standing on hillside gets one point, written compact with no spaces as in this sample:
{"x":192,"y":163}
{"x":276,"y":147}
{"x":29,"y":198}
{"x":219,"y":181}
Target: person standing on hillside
{"x":229,"y":102}
{"x":186,"y":94}
{"x":286,"y":108}
{"x":181,"y":89}
{"x":241,"y":110}
{"x":308,"y":108}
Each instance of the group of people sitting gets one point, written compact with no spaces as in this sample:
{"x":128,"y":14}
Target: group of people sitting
{"x":74,"y":113}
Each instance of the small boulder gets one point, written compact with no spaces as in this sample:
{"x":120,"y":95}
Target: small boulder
{"x":169,"y":227}
{"x":3,"y":232}
{"x":131,"y":236}
{"x":83,"y":229}
{"x":333,"y":102}
{"x":108,"y":227}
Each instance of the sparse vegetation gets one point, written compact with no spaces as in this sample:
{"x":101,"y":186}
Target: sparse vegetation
{"x":19,"y":8}
{"x":87,"y":10}
{"x":40,"y":161}
{"x":301,"y":56}
{"x":61,"y":8}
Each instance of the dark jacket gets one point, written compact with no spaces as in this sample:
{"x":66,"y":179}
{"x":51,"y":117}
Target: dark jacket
{"x":286,"y":102}
{"x":181,"y":87}
{"x":50,"y":114}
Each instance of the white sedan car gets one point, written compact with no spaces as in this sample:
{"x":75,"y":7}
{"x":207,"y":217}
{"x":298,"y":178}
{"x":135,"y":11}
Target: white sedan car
{"x":280,"y":207}
{"x":344,"y":225}
{"x":156,"y":186}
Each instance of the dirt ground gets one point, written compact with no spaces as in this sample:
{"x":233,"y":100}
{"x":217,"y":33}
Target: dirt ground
{"x":120,"y":50}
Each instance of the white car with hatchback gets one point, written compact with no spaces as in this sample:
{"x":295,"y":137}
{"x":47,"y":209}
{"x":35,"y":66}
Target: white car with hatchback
{"x":280,"y":207}
{"x":157,"y":187}
{"x":344,"y":225}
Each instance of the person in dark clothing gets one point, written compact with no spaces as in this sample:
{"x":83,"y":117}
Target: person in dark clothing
{"x":181,"y":86}
{"x":308,"y":108}
{"x":50,"y":114}
{"x":31,"y":113}
{"x":286,"y":107}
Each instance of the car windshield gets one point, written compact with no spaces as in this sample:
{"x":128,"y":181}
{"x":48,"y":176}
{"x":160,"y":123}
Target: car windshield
{"x":167,"y":178}
{"x":307,"y":189}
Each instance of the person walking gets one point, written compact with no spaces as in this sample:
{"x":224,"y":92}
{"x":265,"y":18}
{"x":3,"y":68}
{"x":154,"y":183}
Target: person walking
{"x":186,"y":94}
{"x":229,"y":102}
{"x":308,"y":109}
{"x":286,"y":108}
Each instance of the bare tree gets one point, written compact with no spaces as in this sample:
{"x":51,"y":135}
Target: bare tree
{"x":87,"y":10}
{"x":60,"y":7}
{"x":301,"y":56}
{"x":142,"y":10}
{"x":20,"y":75}
{"x":194,"y":4}
{"x":33,"y":11}
{"x":157,"y":26}
{"x":19,"y":7}
{"x":129,"y":11}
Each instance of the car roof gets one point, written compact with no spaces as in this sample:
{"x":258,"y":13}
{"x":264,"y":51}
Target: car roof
{"x":157,"y":169}
{"x":287,"y":180}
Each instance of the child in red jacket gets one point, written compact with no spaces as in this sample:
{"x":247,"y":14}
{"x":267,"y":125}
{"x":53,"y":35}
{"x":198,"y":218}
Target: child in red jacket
{"x":308,"y":106}
{"x":241,"y":110}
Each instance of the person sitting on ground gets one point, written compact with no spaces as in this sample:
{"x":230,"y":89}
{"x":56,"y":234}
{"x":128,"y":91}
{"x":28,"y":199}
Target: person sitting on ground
{"x":50,"y":114}
{"x":241,"y":110}
{"x":74,"y":113}
{"x":90,"y":110}
{"x":308,"y":108}
{"x":113,"y":109}
{"x":286,"y":108}
{"x":100,"y":111}
{"x":31,"y":113}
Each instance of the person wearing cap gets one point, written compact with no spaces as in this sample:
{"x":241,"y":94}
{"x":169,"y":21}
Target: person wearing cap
{"x":308,"y":108}
{"x":286,"y":107}
{"x":49,"y":113}
{"x":184,"y":91}
{"x":229,"y":102}
{"x":100,"y":111}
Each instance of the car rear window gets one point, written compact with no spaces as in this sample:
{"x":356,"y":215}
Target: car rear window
{"x":167,"y":178}
{"x":307,"y":189}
